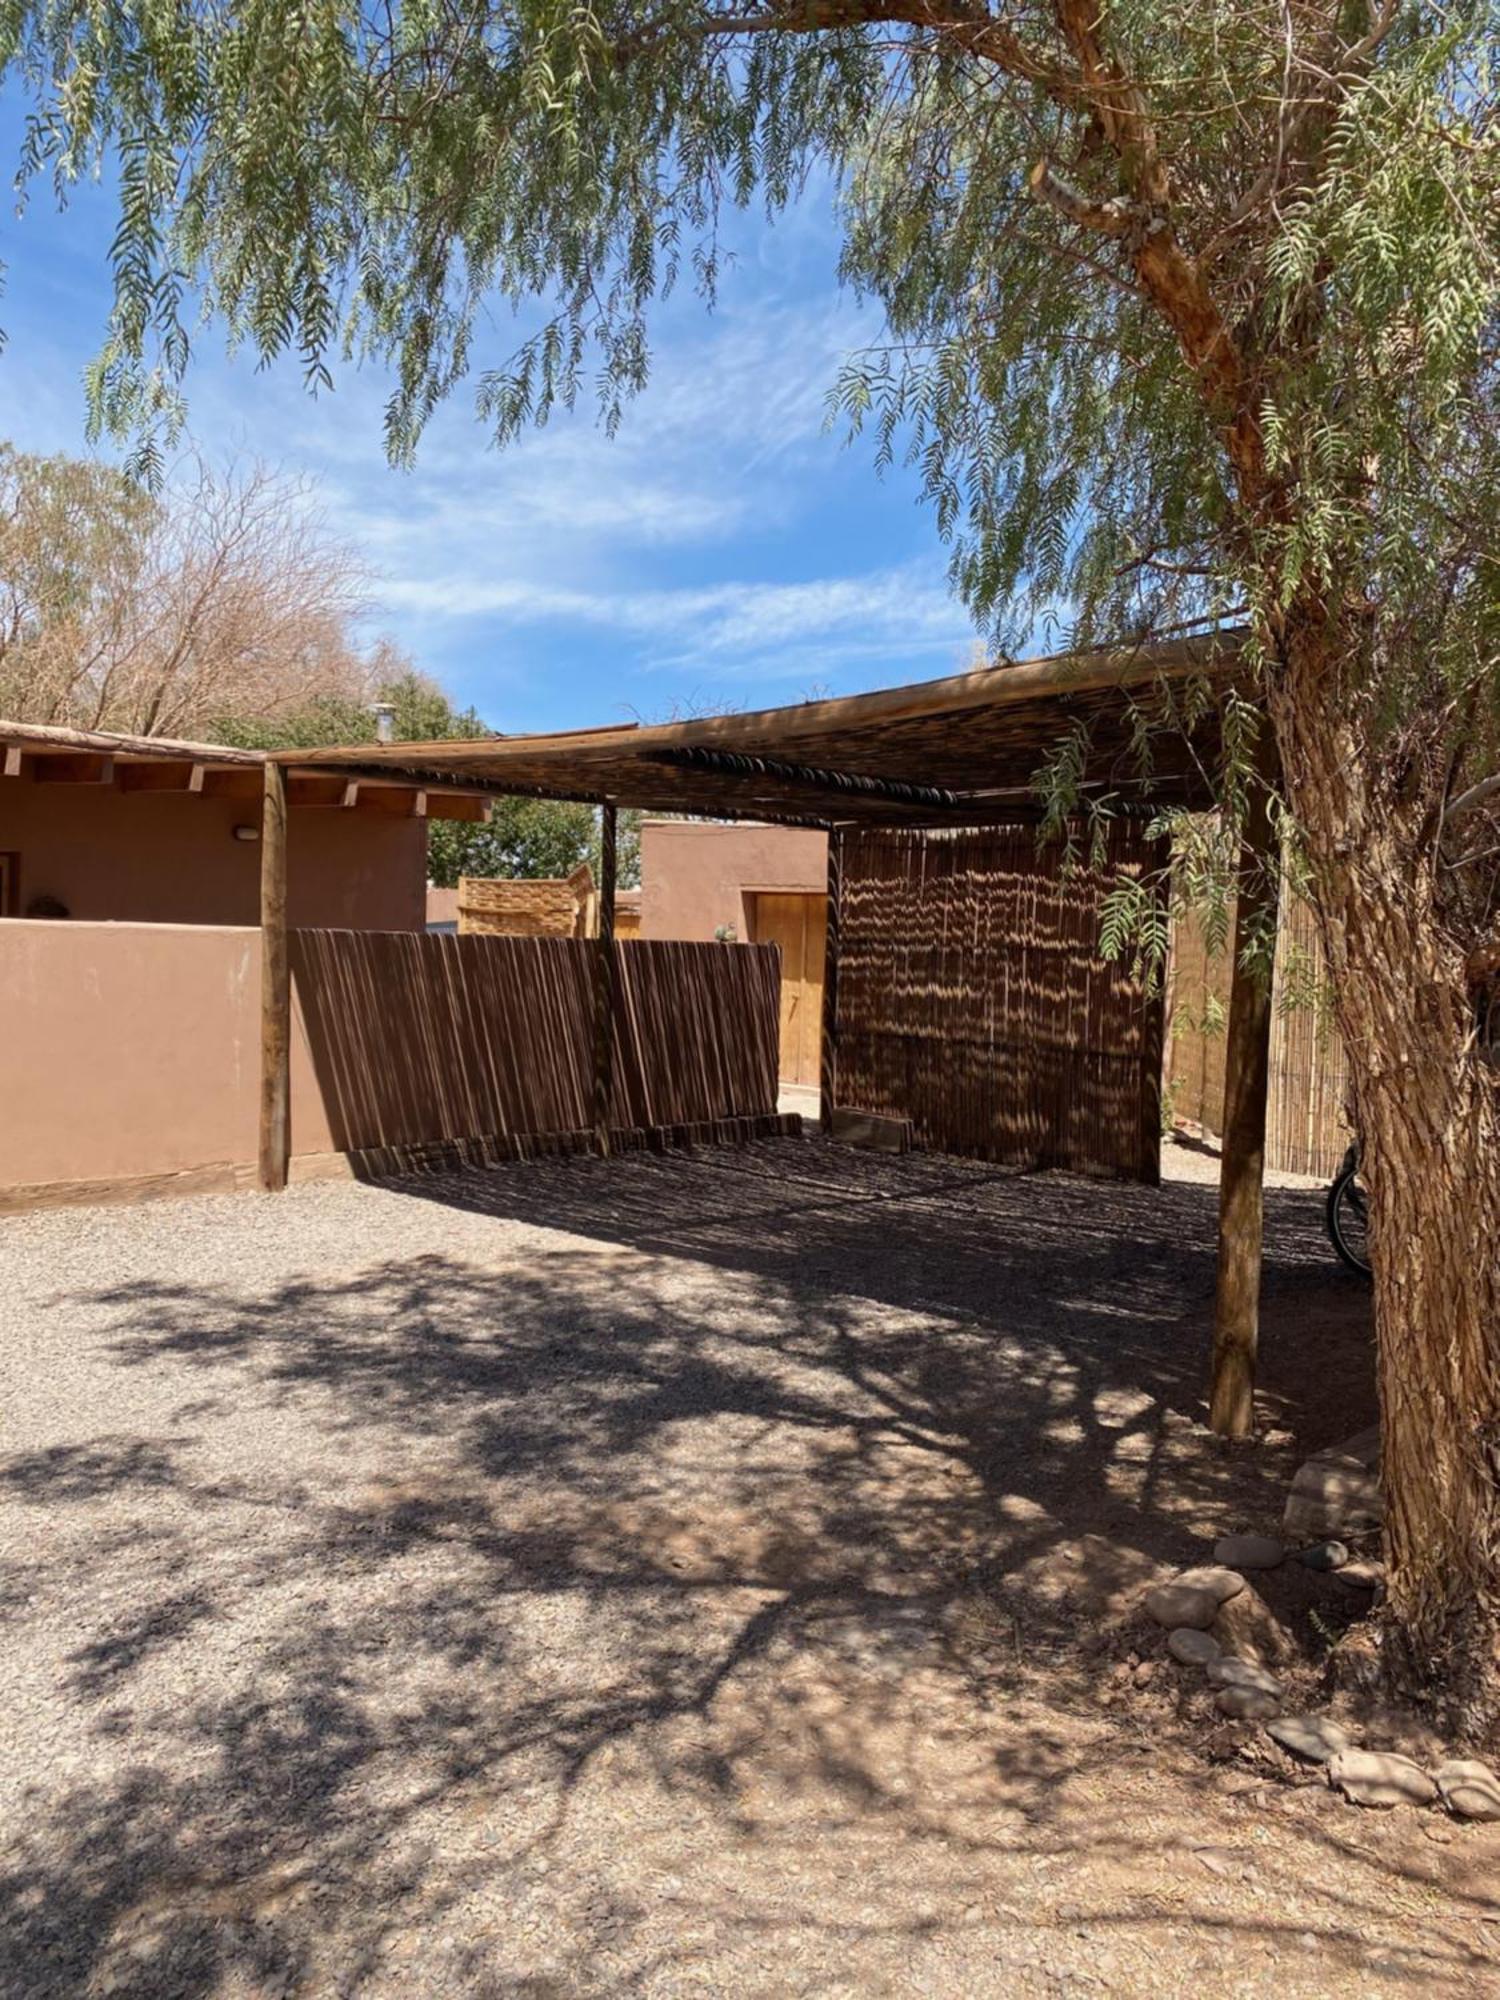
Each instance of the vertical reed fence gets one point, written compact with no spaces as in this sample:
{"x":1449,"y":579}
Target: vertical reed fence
{"x":1307,"y":1127}
{"x":430,"y":1048}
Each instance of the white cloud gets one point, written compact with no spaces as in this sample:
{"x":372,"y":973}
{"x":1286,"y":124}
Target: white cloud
{"x":742,"y":629}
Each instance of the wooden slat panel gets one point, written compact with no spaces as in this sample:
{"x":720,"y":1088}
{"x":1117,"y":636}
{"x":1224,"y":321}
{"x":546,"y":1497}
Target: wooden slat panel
{"x":425,"y":1040}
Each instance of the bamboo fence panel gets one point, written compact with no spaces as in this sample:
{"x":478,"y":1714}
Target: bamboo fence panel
{"x":1307,"y":1123}
{"x":973,"y":999}
{"x":432,"y":1048}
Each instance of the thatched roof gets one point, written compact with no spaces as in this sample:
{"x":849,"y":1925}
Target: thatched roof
{"x":956,"y":750}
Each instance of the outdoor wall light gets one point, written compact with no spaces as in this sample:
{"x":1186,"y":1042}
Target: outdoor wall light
{"x":247,"y":833}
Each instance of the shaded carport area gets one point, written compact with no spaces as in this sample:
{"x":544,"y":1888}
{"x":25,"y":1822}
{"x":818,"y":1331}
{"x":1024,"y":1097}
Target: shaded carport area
{"x":691,"y":1572}
{"x":1138,"y":728}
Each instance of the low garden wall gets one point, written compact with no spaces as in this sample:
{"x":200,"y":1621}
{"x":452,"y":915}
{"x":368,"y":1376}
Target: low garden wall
{"x":129,"y":1053}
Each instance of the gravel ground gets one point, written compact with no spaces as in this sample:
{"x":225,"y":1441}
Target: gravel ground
{"x":666,"y":1576}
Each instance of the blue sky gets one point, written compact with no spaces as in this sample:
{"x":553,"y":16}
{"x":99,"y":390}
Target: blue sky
{"x":723,"y":548}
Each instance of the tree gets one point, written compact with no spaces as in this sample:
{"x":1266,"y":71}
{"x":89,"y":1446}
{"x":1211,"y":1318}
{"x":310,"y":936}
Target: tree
{"x":524,"y":837}
{"x":1189,"y":308}
{"x":120,"y":609}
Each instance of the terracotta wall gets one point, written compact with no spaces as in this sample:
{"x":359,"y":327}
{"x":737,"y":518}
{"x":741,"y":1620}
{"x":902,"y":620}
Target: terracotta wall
{"x":126,"y":1049}
{"x":695,"y":876}
{"x":442,"y":909}
{"x":164,"y":857}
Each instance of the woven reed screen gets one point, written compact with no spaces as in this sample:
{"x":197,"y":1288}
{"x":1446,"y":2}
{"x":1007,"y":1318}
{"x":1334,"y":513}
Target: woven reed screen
{"x":505,"y":908}
{"x":424,"y":1040}
{"x":972,"y":999}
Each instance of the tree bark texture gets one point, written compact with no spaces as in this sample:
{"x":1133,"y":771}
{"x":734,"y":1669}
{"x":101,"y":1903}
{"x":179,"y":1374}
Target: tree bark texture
{"x":1427,"y":1109}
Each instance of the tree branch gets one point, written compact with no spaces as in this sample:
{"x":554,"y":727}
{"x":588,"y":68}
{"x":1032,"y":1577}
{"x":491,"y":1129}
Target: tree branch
{"x":1111,"y":218}
{"x":1474,"y":796}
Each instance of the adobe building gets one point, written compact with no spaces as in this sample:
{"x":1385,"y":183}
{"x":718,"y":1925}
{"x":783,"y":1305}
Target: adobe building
{"x":703,"y":879}
{"x":107,"y":828}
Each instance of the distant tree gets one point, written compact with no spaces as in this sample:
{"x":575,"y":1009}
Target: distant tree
{"x":148,"y":613}
{"x":530,"y":837}
{"x":524,"y":837}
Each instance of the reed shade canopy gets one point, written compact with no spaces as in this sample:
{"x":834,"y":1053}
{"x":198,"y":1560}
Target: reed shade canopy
{"x":959,"y":751}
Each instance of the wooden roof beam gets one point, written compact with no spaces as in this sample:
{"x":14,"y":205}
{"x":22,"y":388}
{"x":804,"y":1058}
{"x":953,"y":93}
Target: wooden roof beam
{"x":164,"y":776}
{"x":47,"y":735}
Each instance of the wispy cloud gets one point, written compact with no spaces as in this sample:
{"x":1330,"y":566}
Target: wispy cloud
{"x":722,"y":536}
{"x":746,"y":627}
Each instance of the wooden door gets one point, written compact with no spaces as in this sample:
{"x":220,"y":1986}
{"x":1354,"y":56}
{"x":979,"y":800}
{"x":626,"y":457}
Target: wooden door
{"x":798,"y":922}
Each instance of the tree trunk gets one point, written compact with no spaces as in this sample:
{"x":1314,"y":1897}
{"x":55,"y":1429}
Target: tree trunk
{"x":1428,"y":1114}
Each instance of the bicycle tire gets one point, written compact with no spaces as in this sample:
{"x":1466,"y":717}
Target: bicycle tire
{"x":1348,"y":1221}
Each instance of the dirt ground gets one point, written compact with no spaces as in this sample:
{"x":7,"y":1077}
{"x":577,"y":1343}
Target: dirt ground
{"x":670,"y":1576}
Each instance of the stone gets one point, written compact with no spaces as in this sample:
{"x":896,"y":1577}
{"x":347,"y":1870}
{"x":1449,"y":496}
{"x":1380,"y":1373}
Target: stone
{"x":1248,"y":1552}
{"x":1380,"y":1778}
{"x":1224,"y":1583}
{"x":1469,"y":1790}
{"x":1361,"y":1575}
{"x":1312,"y":1737}
{"x":1336,"y":1491}
{"x":1193,"y":1649}
{"x":1176,"y":1604}
{"x":1248,"y":1628}
{"x":1225,"y":1672}
{"x":1324,"y":1555}
{"x":1246,"y":1704}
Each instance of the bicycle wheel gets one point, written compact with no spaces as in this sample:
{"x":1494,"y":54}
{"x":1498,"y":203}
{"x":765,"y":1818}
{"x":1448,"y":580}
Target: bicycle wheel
{"x":1349,"y":1220}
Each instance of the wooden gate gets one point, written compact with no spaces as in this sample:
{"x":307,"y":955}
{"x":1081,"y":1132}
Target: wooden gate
{"x":973,"y":1000}
{"x":798,"y":923}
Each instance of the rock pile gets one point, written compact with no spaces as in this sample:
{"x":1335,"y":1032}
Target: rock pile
{"x":1213,"y":1621}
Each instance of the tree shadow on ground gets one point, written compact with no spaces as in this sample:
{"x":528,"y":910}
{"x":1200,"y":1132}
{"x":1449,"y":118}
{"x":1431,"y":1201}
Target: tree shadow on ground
{"x":705,"y":1586}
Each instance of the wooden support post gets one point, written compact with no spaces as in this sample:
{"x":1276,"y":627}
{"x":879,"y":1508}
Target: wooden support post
{"x":275,"y":988}
{"x":1247,"y":1065}
{"x":605,"y":979}
{"x":828,"y":1049}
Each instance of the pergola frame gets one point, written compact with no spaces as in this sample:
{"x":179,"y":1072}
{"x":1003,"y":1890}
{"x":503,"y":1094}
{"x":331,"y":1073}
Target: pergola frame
{"x":962,"y":751}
